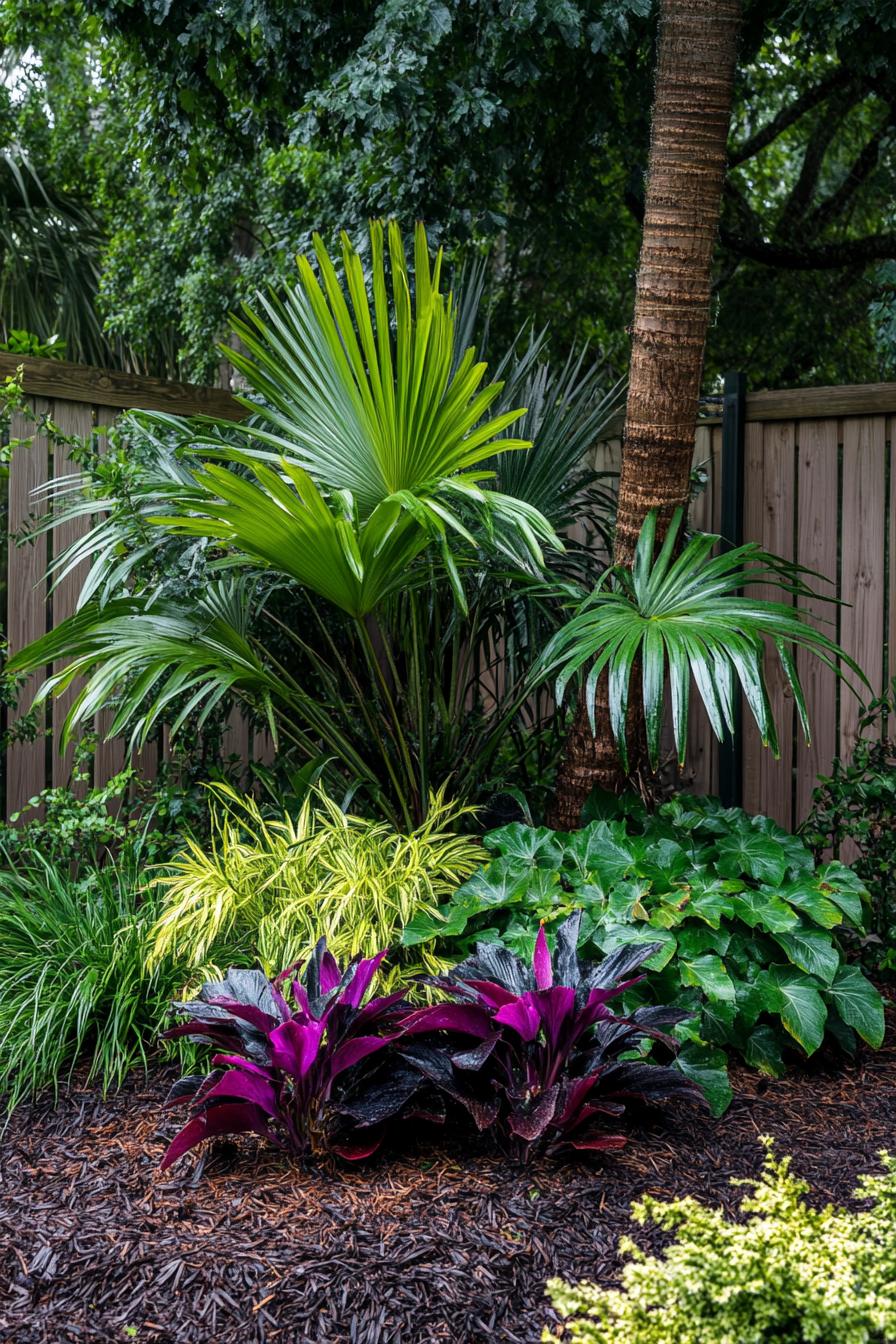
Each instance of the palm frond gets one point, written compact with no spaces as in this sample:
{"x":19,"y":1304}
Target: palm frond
{"x":683,"y":616}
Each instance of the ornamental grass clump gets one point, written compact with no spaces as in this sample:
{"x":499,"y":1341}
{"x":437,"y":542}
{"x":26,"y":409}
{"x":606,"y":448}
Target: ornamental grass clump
{"x":267,"y":889}
{"x":75,"y":987}
{"x":787,"y":1273}
{"x":291,"y":1052}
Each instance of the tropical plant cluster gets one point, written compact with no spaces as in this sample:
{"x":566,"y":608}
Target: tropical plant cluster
{"x":751,"y":935}
{"x":361,"y":565}
{"x":783,"y":1270}
{"x":374,"y":565}
{"x":531,"y":1052}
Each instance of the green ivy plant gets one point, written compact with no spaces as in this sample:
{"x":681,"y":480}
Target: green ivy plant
{"x":752,"y":932}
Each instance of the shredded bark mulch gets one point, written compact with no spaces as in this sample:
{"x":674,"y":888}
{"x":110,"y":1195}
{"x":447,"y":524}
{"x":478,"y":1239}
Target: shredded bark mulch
{"x":442,"y":1243}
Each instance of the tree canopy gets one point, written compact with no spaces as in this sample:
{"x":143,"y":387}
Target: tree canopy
{"x":209,"y":141}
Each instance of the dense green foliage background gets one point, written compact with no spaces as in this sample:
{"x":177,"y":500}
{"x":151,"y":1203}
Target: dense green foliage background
{"x":208,"y":141}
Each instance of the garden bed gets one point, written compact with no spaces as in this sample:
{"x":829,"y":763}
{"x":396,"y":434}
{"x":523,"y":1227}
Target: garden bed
{"x":440,"y":1244}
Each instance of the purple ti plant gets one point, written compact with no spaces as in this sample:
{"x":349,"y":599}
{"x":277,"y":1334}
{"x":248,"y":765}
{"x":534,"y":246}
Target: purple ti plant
{"x":536,"y":1051}
{"x":291,"y":1052}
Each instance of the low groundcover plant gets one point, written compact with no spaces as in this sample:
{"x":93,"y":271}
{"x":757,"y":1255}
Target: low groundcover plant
{"x":784,"y":1272}
{"x":747,"y":932}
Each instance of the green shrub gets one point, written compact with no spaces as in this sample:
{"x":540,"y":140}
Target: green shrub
{"x":857,"y":802}
{"x":269,"y":889}
{"x":751,"y":930}
{"x":786,"y":1274}
{"x":72,"y":967}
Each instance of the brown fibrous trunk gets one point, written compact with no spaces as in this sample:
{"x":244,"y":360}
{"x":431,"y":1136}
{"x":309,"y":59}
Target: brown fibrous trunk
{"x":685,"y":175}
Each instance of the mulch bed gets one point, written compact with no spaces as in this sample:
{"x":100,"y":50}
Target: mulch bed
{"x":438,"y":1244}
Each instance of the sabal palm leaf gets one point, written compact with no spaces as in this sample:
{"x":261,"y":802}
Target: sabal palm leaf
{"x":683,"y":615}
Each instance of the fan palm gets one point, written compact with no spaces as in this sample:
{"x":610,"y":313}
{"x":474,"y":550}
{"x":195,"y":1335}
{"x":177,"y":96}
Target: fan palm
{"x":360,"y":472}
{"x":683,"y":614}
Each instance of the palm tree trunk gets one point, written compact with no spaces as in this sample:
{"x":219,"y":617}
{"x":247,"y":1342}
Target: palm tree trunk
{"x":685,"y":174}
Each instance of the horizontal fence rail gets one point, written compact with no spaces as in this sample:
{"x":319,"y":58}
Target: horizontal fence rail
{"x":819,"y":487}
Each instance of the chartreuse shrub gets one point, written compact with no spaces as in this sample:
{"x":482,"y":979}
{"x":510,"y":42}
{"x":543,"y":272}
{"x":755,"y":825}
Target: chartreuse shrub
{"x":786,"y":1272}
{"x":750,"y":933}
{"x":73,"y":973}
{"x":268,"y":889}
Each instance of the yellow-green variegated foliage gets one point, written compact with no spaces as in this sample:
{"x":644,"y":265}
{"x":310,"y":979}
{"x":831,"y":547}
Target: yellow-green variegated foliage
{"x":786,"y":1273}
{"x":267,"y":890}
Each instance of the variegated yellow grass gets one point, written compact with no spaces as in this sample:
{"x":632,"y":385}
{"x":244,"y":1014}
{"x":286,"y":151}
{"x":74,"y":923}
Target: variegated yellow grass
{"x":270,"y":887}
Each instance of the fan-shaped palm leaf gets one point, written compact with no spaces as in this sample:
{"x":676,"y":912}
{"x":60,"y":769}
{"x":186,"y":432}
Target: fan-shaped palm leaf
{"x":365,"y":443}
{"x":684,"y":615}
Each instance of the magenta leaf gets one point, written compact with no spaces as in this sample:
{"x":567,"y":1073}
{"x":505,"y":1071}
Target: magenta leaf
{"x":296,"y":1075}
{"x":522,"y":1016}
{"x":541,"y":961}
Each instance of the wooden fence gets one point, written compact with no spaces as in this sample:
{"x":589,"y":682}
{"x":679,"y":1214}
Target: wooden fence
{"x":819,"y":486}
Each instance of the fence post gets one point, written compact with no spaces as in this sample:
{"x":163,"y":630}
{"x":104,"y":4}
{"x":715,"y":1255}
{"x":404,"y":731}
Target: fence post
{"x":732,"y":529}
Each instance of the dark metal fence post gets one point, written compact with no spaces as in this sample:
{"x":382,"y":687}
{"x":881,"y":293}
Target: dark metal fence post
{"x":732,"y":530}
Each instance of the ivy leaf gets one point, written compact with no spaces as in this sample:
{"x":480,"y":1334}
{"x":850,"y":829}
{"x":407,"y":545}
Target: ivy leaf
{"x":611,"y":936}
{"x":811,"y":950}
{"x":541,"y":889}
{"x":801,"y":1007}
{"x":599,"y":854}
{"x":858,"y":1004}
{"x":753,"y":1000}
{"x":696,"y":939}
{"x":537,"y":846}
{"x":797,"y":855}
{"x":846,"y":889}
{"x":762,"y":1051}
{"x":711,"y":902}
{"x":709,"y":974}
{"x":707,"y":1066}
{"x":717,"y":1020}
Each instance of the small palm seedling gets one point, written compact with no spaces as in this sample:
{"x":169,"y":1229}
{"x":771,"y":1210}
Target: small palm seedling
{"x":685,"y":615}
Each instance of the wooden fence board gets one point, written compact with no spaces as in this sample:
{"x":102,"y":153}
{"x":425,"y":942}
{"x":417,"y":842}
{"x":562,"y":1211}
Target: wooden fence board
{"x":26,"y":770}
{"x":109,"y":758}
{"x":776,"y":776}
{"x":816,"y":528}
{"x":73,"y":420}
{"x":754,"y":477}
{"x":700,"y":774}
{"x":890,"y":666}
{"x":62,"y":381}
{"x":862,"y":555}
